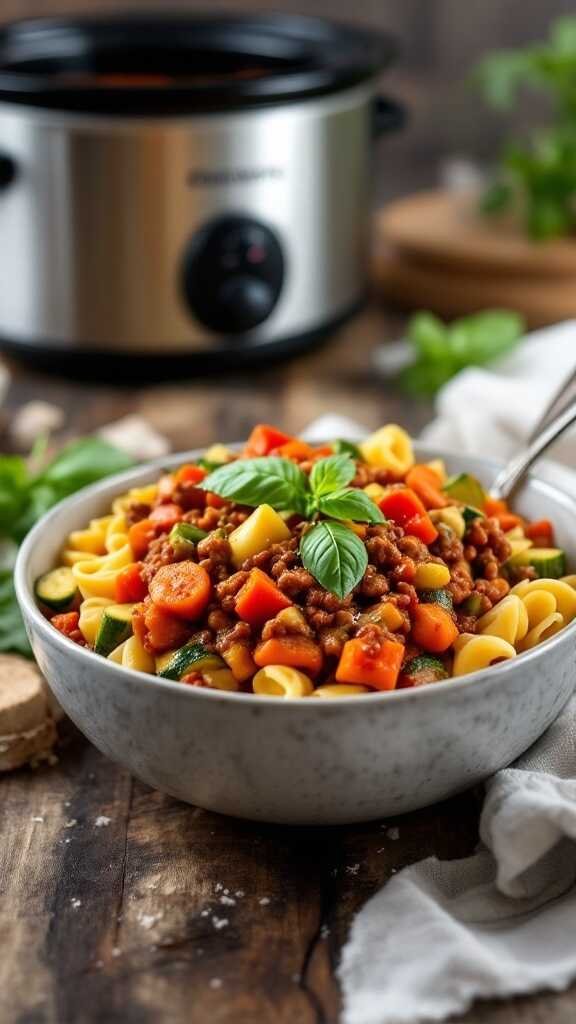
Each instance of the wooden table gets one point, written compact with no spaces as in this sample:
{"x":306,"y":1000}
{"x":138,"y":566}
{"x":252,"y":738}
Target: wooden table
{"x":116,"y":901}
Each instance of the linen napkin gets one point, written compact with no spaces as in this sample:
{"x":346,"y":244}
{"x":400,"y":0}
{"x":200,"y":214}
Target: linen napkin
{"x":441,"y":934}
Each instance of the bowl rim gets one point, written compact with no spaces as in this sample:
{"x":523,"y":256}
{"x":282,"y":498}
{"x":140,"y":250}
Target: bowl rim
{"x":128,"y":478}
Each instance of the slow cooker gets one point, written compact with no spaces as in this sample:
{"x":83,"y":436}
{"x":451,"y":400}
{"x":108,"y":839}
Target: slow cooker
{"x":184,"y":185}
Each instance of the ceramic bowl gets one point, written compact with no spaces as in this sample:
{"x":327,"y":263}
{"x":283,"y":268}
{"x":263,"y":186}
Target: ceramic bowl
{"x":301,"y":761}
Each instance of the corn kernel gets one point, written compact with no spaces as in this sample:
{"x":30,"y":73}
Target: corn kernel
{"x":431,"y":576}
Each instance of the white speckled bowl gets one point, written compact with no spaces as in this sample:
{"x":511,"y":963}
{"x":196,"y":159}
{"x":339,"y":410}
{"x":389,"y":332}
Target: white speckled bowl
{"x":301,"y":761}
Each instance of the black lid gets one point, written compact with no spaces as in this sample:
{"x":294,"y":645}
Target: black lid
{"x":169,"y":64}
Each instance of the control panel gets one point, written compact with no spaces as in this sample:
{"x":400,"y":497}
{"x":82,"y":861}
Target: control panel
{"x":233,"y":273}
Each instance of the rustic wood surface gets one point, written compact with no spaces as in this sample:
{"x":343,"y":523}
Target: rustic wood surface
{"x":119,"y":921}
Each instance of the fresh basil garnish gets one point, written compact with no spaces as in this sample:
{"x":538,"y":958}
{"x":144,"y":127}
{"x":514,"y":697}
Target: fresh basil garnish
{"x":343,"y":447}
{"x":335,"y":556}
{"x":331,"y":474}
{"x":267,"y":480}
{"x":350,"y":503}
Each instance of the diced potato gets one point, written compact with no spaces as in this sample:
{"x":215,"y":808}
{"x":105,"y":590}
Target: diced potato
{"x":376,"y":492}
{"x":220,"y":678}
{"x":520,"y":545}
{"x":263,"y":528}
{"x":385,"y":614}
{"x":218,"y":453}
{"x":431,"y":576}
{"x":293,"y":621}
{"x":240,"y":661}
{"x":389,"y":448}
{"x":282,"y":681}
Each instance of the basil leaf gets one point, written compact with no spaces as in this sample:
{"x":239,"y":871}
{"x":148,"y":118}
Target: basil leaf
{"x":83,"y":462}
{"x":343,"y":447}
{"x":13,"y":636}
{"x":350,"y":504}
{"x":269,"y":479}
{"x":335,"y":557}
{"x":330,"y":474}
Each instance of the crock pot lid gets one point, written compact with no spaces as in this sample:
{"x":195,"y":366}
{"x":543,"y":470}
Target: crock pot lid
{"x":147,"y":63}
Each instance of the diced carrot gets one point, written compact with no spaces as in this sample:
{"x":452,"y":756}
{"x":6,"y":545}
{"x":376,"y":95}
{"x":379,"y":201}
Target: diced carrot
{"x":507,"y":521}
{"x":298,"y":451}
{"x":263,"y":439}
{"x":140,"y":536}
{"x":182,"y":589}
{"x":541,"y":531}
{"x":426,"y":484}
{"x":406,"y":509}
{"x":259,"y":599}
{"x":162,"y":632}
{"x":360,"y":663}
{"x":297,"y":651}
{"x":433,"y":628}
{"x":166,"y":516}
{"x":495,"y":507}
{"x":130,"y":587}
{"x":66,"y":622}
{"x":190,"y":474}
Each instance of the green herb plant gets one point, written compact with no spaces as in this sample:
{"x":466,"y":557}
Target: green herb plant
{"x":27,"y":490}
{"x":537,"y":178}
{"x":442,"y":350}
{"x":329,"y":549}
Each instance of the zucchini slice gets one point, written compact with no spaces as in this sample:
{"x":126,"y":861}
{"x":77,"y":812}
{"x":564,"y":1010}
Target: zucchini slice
{"x":441,"y":596}
{"x":469,"y":513}
{"x":473,"y":604}
{"x":466,"y":488}
{"x":115,"y":627}
{"x":57,"y":588}
{"x":191,"y":656}
{"x":184,"y":537}
{"x":549,"y":563}
{"x":424,"y":668}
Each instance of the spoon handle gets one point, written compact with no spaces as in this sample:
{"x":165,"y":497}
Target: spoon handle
{"x":512,"y":473}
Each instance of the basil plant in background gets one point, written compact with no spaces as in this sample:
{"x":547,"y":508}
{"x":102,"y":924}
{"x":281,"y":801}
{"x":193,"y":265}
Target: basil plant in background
{"x":537,"y":177}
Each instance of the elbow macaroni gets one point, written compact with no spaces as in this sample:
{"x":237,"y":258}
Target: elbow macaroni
{"x":474,"y":652}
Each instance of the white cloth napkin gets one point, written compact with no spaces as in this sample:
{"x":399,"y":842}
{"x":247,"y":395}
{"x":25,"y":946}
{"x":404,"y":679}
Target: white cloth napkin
{"x":441,"y":934}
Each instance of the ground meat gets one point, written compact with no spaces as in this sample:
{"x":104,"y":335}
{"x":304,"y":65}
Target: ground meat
{"x":215,"y":554}
{"x":159,"y":553}
{"x":373,"y":636}
{"x":294,"y":581}
{"x":188,"y":496}
{"x":274,"y":559}
{"x":407,"y":597}
{"x":518,"y":573}
{"x":240,"y":632}
{"x":136,"y":511}
{"x":461,"y":583}
{"x":466,"y":623}
{"x":374,"y":584}
{"x":294,"y":624}
{"x":205,"y":519}
{"x":332,"y":641}
{"x":447,"y":546}
{"x":382,"y":545}
{"x":227,"y":590}
{"x":493,"y":590}
{"x":219,"y":620}
{"x":318,"y":617}
{"x":413,"y":548}
{"x":489,"y":540}
{"x":370,"y":475}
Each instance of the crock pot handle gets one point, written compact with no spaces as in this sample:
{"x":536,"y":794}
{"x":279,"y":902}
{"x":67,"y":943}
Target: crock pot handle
{"x":387,"y":116}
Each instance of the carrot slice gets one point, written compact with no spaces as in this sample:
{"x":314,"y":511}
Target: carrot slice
{"x":507,"y":521}
{"x":297,"y":651}
{"x":157,"y":630}
{"x":295,"y":450}
{"x":433,"y":628}
{"x":140,"y":536}
{"x":541,"y":531}
{"x":166,"y":516}
{"x":130,"y":587}
{"x":190,"y":474}
{"x":182,"y":589}
{"x":495,"y":507}
{"x":260,"y":599}
{"x":360,"y":664}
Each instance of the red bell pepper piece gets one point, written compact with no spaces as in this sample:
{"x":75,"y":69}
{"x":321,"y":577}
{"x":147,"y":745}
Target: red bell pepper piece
{"x":541,"y":532}
{"x":406,"y":509}
{"x":263,"y":439}
{"x":259,"y":599}
{"x":66,"y":622}
{"x":359,"y":663}
{"x":190,"y":474}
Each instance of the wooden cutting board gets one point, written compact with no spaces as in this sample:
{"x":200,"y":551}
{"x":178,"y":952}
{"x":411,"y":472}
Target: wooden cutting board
{"x":434,"y":251}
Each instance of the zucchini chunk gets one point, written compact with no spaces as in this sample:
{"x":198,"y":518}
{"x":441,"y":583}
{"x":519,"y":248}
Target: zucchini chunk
{"x":469,"y":513}
{"x":466,"y":488}
{"x":192,"y":656}
{"x":57,"y":588}
{"x":115,"y":627}
{"x":440,"y":596}
{"x":424,"y":668}
{"x":184,"y":537}
{"x":342,"y":447}
{"x":473,"y":604}
{"x":549,"y":563}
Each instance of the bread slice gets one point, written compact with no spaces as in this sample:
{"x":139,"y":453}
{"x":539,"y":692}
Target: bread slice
{"x":27,"y":727}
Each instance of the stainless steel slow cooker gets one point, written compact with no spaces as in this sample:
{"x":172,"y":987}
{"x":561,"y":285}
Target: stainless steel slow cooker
{"x":193,"y":186}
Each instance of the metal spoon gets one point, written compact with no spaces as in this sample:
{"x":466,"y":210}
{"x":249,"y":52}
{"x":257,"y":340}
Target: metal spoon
{"x":512,"y":473}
